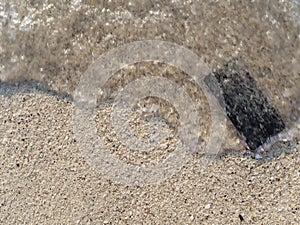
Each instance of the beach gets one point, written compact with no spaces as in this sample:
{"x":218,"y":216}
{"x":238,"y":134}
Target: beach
{"x":46,"y":177}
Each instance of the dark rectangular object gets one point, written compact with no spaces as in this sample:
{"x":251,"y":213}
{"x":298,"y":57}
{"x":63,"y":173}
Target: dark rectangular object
{"x":246,"y":106}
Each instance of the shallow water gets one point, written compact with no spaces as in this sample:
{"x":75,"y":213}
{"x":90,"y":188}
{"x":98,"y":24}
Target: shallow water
{"x":55,"y":41}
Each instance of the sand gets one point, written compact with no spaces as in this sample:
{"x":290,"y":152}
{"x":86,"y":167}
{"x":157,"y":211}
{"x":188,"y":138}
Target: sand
{"x":46,"y":179}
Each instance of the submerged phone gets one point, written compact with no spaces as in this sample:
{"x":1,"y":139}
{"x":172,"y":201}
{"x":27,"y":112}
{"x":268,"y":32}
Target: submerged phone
{"x":246,"y":106}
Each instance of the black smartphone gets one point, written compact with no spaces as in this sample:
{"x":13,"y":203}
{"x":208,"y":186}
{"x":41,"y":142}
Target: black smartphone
{"x":246,"y":106}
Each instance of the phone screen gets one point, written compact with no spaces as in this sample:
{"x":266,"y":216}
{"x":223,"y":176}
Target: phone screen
{"x":246,"y":106}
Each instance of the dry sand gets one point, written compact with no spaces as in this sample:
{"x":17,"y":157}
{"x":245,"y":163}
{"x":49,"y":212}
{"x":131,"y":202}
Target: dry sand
{"x":46,"y":180}
{"x":44,"y":177}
